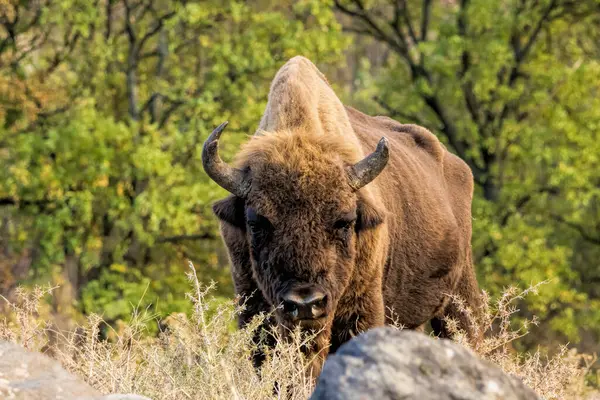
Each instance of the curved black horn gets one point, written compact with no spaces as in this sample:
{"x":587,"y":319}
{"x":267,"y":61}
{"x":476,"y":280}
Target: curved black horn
{"x":229,"y":178}
{"x":368,"y":168}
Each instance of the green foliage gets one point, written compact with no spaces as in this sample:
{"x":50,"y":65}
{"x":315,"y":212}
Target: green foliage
{"x":103,"y":110}
{"x":103,"y":170}
{"x":512,"y":88}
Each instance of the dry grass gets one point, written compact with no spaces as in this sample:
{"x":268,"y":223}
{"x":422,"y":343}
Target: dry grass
{"x":196,"y":358}
{"x":560,"y":376}
{"x":203,"y":358}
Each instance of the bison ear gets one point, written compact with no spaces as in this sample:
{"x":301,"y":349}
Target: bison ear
{"x":231,"y":210}
{"x":368,"y":217}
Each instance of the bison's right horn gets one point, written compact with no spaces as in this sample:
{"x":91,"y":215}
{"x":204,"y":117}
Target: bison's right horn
{"x":229,"y":178}
{"x":368,"y":168}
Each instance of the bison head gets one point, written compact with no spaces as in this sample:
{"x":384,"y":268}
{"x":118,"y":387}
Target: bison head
{"x":297,"y":200}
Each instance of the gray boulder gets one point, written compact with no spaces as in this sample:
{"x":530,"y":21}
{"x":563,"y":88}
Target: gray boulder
{"x":385,"y":363}
{"x":34,"y":376}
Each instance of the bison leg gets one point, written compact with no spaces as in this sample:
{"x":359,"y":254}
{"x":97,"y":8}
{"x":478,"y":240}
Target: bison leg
{"x":246,"y":288}
{"x":367,"y":312}
{"x":439,"y":328}
{"x":468,"y":291}
{"x":465,"y":323}
{"x":263,"y":335}
{"x":263,"y":338}
{"x":467,"y":313}
{"x":318,"y":352}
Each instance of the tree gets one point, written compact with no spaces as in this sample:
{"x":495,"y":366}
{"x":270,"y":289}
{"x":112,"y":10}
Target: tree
{"x":509,"y":86}
{"x":102,"y":181}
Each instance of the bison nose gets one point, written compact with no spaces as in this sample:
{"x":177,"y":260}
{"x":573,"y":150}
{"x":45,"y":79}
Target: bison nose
{"x":308,"y":303}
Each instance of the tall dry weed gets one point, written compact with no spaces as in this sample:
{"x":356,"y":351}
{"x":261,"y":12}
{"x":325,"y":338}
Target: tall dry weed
{"x":559,"y":376}
{"x":201,"y":357}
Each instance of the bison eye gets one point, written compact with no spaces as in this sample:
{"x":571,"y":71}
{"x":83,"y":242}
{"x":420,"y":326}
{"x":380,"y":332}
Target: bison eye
{"x":346,"y":222}
{"x":257,"y":222}
{"x":342,"y":224}
{"x":260,"y":231}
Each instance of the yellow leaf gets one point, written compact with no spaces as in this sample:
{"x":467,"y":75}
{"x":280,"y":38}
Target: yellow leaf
{"x":118,"y":268}
{"x":102,"y":181}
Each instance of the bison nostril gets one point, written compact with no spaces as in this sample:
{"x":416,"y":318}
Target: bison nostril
{"x":290,"y":308}
{"x":318,"y":307}
{"x":321,"y":303}
{"x":304,"y":303}
{"x":316,"y":311}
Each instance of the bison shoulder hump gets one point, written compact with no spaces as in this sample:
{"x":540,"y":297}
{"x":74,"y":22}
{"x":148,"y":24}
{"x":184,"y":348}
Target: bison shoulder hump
{"x":422,"y":138}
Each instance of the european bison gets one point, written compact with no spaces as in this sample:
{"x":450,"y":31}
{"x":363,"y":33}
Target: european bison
{"x":340,"y":241}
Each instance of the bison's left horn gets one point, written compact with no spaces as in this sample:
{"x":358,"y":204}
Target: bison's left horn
{"x":368,"y":168}
{"x":229,"y":178}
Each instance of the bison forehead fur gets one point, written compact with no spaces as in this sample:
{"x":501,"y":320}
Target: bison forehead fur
{"x":299,"y":171}
{"x":409,"y":246}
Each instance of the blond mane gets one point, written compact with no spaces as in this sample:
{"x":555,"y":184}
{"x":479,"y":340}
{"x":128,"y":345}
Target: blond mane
{"x":297,"y":148}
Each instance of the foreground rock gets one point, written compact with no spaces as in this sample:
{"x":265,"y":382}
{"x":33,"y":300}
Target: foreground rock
{"x":33,"y":376}
{"x":386,"y":363}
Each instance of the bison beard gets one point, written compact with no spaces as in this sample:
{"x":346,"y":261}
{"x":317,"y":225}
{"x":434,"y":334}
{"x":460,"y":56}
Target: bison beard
{"x":332,"y":238}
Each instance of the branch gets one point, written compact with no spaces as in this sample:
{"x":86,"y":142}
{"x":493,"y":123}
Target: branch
{"x":519,"y":56}
{"x":364,"y":32}
{"x":175,"y":104}
{"x":154,"y":31}
{"x":13,"y":32}
{"x":131,"y":76}
{"x":393,"y":112}
{"x":418,"y":71}
{"x":9,"y":201}
{"x":128,"y":24}
{"x":12,"y":35}
{"x":471,"y":100}
{"x":163,"y":50}
{"x":462,"y":29}
{"x":363,"y":16}
{"x":582,"y":231}
{"x":522,"y":202}
{"x":60,"y":57}
{"x":406,"y":15}
{"x":459,"y":145}
{"x":186,"y":156}
{"x":109,"y":17}
{"x":155,"y":96}
{"x":426,"y":13}
{"x":180,"y":238}
{"x":522,"y":53}
{"x":149,"y":54}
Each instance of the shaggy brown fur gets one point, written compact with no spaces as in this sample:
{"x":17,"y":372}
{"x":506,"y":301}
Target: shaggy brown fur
{"x":409,"y":246}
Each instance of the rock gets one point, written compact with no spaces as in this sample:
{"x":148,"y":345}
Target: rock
{"x":385,"y":363}
{"x":34,"y":376}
